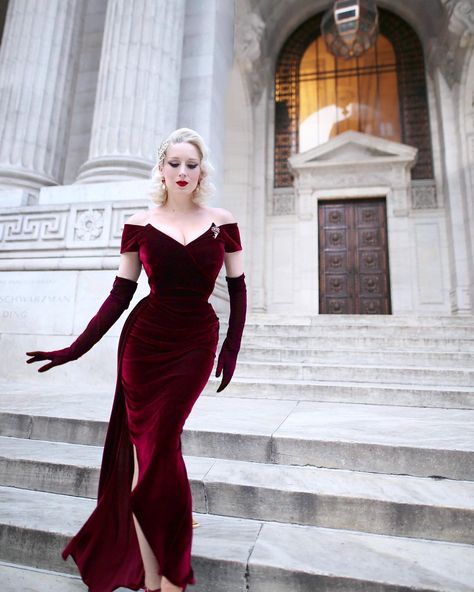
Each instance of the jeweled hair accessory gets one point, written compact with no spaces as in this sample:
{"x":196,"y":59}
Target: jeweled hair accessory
{"x":162,"y":150}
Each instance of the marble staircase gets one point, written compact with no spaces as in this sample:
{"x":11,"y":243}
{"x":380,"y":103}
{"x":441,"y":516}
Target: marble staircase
{"x":341,"y":458}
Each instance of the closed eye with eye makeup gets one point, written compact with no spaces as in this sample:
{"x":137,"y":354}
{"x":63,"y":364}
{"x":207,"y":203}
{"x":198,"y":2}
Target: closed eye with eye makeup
{"x":190,"y":165}
{"x":181,"y":170}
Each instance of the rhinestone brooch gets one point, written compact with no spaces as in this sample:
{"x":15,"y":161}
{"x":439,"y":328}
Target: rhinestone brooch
{"x":215,"y":230}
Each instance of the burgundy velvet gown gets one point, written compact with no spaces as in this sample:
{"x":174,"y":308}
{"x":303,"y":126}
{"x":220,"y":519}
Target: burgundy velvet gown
{"x":165,"y":356}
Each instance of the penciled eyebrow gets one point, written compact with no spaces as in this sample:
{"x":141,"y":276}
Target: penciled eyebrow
{"x":188,"y":159}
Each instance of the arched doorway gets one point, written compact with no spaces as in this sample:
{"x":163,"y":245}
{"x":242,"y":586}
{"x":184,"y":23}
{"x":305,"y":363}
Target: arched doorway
{"x":382,"y":94}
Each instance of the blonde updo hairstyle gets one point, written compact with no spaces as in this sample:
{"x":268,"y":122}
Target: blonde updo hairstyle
{"x":204,"y":189}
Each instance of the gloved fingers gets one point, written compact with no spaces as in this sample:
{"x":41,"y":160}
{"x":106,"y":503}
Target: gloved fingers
{"x":220,"y":365}
{"x":49,"y":366}
{"x":38,"y":356}
{"x":226,"y":378}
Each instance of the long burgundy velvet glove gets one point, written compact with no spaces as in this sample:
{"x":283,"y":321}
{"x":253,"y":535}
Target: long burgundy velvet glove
{"x":118,"y":300}
{"x":227,"y":359}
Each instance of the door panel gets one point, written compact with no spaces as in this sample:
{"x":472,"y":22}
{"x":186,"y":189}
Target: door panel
{"x":353,"y":257}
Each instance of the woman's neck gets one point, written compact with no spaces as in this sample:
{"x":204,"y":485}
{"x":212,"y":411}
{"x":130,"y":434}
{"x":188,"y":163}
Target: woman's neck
{"x":179,"y":204}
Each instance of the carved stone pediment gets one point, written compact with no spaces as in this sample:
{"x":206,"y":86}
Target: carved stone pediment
{"x":353,"y":148}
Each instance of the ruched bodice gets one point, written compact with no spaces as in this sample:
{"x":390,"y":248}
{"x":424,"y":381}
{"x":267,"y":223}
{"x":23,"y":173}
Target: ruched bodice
{"x":171,"y":266}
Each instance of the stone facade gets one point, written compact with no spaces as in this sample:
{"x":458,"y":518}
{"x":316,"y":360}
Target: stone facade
{"x":85,"y":104}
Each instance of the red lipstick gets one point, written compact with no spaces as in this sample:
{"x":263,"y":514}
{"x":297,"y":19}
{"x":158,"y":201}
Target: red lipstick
{"x":182,"y":183}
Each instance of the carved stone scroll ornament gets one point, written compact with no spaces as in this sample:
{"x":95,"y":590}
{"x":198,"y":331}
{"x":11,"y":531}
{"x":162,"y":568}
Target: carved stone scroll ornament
{"x":248,"y":49}
{"x":446,"y":52}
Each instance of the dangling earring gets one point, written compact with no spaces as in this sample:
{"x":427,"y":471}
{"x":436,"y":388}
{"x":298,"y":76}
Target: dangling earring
{"x":163,"y":185}
{"x":198,"y":187}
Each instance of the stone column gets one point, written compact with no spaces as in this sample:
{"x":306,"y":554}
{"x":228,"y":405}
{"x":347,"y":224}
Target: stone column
{"x":138,"y":88}
{"x":208,"y":54}
{"x":457,"y":213}
{"x":38,"y":58}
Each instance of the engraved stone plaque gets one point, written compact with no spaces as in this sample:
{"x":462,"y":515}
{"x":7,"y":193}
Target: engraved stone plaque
{"x":37,"y":302}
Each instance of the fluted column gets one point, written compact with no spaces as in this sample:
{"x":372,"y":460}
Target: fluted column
{"x":208,"y":53}
{"x":138,"y":88}
{"x":37,"y":65}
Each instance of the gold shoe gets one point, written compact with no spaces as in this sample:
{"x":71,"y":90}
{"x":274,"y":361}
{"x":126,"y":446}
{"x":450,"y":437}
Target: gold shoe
{"x":195,"y":523}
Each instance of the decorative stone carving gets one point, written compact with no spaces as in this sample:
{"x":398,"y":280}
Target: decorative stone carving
{"x":367,"y":178}
{"x":119,"y":216}
{"x":89,"y":224}
{"x":34,"y":227}
{"x":461,"y":19}
{"x":353,"y":159}
{"x":64,"y":229}
{"x":423,"y":195}
{"x":249,"y":33}
{"x":283,"y":204}
{"x":447,"y":50}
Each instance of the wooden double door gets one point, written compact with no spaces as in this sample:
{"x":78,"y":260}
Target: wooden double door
{"x":353,"y":257}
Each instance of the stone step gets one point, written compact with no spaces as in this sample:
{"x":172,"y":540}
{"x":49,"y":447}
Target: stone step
{"x":264,"y":319}
{"x":422,"y":442}
{"x":357,"y":373}
{"x":355,"y":343}
{"x":42,"y":523}
{"x":234,"y":554}
{"x":27,"y":579}
{"x":346,"y":392}
{"x":359,"y":330}
{"x":367,"y":502}
{"x":99,"y":365}
{"x":324,"y":355}
{"x":309,"y":559}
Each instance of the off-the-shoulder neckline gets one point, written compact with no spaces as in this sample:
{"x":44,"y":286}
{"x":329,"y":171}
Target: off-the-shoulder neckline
{"x":177,"y":241}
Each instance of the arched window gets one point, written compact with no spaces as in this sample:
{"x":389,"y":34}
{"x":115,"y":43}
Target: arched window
{"x":382,"y":93}
{"x":337,"y":95}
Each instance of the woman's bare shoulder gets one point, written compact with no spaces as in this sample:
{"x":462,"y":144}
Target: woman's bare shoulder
{"x":139,"y":218}
{"x":221,"y":216}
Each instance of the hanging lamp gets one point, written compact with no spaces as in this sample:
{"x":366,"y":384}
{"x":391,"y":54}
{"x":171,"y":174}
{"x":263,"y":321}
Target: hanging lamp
{"x":350,"y":27}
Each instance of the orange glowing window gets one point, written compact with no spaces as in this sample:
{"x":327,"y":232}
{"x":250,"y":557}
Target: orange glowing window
{"x":336,"y":95}
{"x":382,"y":93}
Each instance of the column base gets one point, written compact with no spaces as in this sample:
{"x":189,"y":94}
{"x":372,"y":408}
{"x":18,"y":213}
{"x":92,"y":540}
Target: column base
{"x":19,"y":178}
{"x":460,"y":301}
{"x":114,"y":168}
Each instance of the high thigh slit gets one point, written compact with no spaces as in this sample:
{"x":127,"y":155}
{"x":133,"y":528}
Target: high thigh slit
{"x":150,"y":563}
{"x":165,"y":356}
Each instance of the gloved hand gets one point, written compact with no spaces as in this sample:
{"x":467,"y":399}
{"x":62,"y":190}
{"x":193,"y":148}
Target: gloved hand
{"x":118,"y":300}
{"x":227,"y":359}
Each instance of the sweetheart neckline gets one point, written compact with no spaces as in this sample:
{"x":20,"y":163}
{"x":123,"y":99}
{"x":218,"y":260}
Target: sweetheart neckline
{"x":177,"y":241}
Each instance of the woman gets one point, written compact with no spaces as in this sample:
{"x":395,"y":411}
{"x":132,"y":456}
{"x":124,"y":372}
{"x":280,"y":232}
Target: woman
{"x":141,"y":530}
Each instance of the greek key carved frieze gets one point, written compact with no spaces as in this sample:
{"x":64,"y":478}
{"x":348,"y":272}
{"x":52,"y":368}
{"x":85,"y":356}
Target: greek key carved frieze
{"x":64,"y":229}
{"x":119,"y":217}
{"x":35,"y":227}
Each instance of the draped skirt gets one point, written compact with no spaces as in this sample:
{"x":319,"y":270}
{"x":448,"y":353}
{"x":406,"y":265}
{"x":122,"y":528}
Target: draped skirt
{"x":165,"y":356}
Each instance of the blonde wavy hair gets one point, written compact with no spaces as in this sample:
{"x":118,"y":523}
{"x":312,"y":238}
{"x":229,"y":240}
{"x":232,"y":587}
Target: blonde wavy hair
{"x":206,"y":188}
